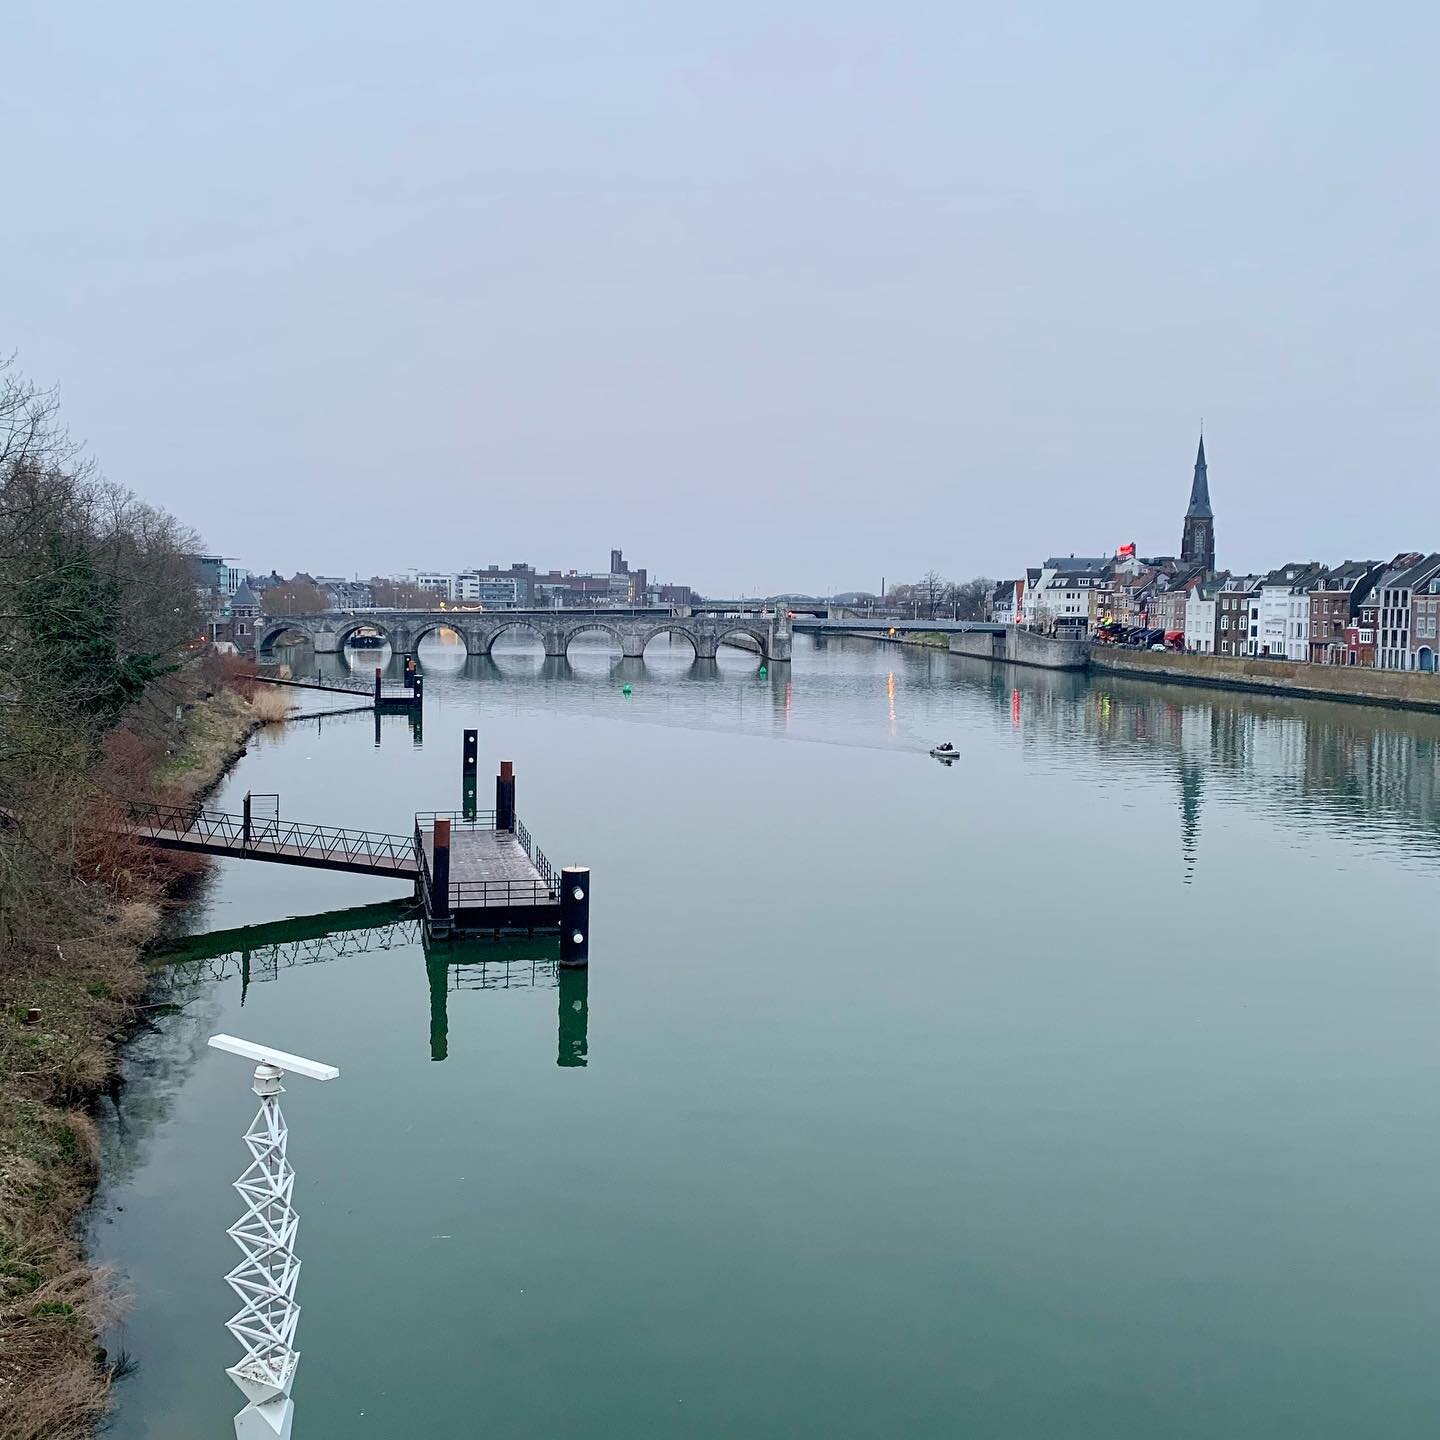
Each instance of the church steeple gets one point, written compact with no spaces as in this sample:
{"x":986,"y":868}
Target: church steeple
{"x":1200,"y":489}
{"x":1197,"y":542}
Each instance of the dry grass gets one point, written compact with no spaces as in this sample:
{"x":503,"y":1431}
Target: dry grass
{"x":83,"y":975}
{"x":270,"y":704}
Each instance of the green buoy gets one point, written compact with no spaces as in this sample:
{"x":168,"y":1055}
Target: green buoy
{"x":763,"y":672}
{"x":624,"y":689}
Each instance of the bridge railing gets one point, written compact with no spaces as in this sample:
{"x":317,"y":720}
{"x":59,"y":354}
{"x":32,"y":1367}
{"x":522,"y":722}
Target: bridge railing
{"x":225,"y":830}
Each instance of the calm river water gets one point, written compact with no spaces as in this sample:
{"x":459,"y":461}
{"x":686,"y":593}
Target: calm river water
{"x":1088,"y":1087}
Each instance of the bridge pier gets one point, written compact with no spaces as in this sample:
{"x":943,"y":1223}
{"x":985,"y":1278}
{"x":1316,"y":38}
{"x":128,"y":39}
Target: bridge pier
{"x":555,"y":643}
{"x":632,"y":646}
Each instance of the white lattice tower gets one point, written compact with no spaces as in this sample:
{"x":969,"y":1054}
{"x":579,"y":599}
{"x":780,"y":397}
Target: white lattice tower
{"x":266,"y":1277}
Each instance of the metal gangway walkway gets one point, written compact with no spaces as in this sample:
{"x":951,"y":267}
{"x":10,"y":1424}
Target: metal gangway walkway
{"x":254,"y":837}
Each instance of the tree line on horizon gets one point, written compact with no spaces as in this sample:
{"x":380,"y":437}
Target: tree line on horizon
{"x":936,"y":598}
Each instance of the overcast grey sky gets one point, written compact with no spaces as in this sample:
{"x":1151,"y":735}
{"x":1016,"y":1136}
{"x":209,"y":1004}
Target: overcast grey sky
{"x":768,"y":294}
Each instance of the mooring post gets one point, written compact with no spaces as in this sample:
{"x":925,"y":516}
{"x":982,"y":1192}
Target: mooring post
{"x":410,"y":673}
{"x":245,"y":840}
{"x":417,"y":688}
{"x":440,"y":872}
{"x":505,"y":796}
{"x":575,"y":915}
{"x":377,"y":685}
{"x":470,"y":754}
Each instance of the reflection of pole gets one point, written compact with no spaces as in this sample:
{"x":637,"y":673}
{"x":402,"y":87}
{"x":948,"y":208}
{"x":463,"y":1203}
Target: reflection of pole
{"x":265,"y":1279}
{"x":574,"y":1026}
{"x":438,"y":973}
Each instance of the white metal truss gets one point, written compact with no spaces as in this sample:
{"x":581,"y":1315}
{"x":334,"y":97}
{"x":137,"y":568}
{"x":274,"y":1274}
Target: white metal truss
{"x":265,"y":1279}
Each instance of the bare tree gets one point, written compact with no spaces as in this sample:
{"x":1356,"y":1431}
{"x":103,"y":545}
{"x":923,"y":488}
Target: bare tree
{"x":969,"y":599}
{"x":931,"y":588}
{"x":294,"y":597}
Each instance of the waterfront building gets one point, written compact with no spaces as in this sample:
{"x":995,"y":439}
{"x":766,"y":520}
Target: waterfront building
{"x":1007,"y":602}
{"x":1070,"y":602}
{"x":1334,"y":600}
{"x":1132,"y":595}
{"x":1361,"y":632}
{"x":443,"y":585}
{"x":1197,"y":538}
{"x":244,"y":613}
{"x":1168,"y":600}
{"x":1285,"y":610}
{"x":345,"y":594}
{"x":217,"y":575}
{"x":1425,"y":626}
{"x":1396,"y":588}
{"x":1202,"y":630}
{"x":1237,"y":615}
{"x":492,"y":590}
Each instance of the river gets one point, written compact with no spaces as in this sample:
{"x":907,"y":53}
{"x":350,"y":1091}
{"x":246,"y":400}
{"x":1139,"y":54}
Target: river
{"x":1088,"y":1086}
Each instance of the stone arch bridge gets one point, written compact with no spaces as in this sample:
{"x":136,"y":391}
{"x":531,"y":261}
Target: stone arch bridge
{"x":479,"y":629}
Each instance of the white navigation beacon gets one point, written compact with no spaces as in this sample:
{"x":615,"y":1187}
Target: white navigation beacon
{"x":265,"y":1279}
{"x":281,"y":1059}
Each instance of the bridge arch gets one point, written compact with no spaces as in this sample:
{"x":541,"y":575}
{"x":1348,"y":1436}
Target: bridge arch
{"x":584,"y":627}
{"x":759,"y":634}
{"x":349,"y":628}
{"x":684,"y":631}
{"x":432,"y":627}
{"x":504,"y":627}
{"x":269,"y":631}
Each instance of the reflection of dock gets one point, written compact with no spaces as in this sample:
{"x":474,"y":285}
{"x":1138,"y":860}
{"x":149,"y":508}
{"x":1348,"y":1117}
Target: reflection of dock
{"x":257,"y":954}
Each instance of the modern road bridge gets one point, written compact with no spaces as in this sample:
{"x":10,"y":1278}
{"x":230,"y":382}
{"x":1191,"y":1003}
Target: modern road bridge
{"x":632,"y":630}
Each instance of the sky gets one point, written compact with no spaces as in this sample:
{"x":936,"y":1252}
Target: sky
{"x":791,"y":296}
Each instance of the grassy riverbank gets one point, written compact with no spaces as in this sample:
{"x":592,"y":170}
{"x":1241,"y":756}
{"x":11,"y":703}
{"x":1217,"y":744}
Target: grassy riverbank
{"x":63,"y":1014}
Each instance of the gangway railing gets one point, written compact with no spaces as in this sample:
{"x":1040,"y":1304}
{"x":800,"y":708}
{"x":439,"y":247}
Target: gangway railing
{"x":225,"y":832}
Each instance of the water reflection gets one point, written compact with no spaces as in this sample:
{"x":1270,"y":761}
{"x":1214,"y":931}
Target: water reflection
{"x":1368,"y":774}
{"x":255,"y":954}
{"x":574,"y":1023}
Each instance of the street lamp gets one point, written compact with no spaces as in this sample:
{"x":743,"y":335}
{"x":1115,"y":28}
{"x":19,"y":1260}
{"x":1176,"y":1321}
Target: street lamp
{"x":265,"y":1279}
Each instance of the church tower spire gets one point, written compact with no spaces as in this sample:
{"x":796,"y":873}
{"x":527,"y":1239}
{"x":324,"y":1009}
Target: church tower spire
{"x":1197,"y":541}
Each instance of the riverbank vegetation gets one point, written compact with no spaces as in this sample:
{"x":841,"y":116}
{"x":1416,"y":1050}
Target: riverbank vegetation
{"x":105,"y":695}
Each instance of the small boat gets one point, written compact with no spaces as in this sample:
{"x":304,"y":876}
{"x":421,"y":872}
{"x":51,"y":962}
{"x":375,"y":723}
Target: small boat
{"x":940,"y":753}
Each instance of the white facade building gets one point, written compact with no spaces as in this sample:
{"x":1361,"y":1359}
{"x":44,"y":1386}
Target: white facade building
{"x":1069,"y":601}
{"x":442,"y":584}
{"x":1285,"y":611}
{"x":1200,"y":620}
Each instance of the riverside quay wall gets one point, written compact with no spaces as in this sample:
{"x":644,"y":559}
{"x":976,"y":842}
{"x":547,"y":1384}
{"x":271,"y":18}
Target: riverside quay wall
{"x":1399,"y":689}
{"x":1013,"y":646}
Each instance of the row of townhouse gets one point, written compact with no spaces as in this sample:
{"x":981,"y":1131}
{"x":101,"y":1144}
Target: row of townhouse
{"x":1079,"y":595}
{"x":1364,"y":612}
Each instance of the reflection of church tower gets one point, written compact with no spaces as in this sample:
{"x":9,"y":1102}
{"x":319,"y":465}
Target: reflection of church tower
{"x":1192,"y":782}
{"x":1197,"y":543}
